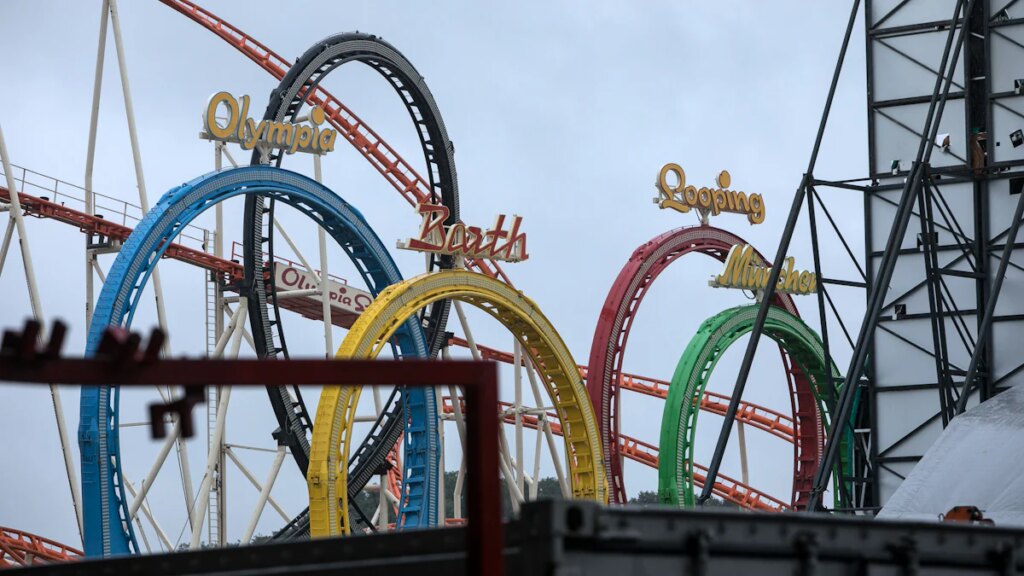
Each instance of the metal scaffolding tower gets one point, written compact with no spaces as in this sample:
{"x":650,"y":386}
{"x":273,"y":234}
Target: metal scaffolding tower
{"x":942,"y":209}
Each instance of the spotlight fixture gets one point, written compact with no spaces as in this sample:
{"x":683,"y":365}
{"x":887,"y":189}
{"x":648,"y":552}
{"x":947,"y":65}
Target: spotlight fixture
{"x":1017,"y":138}
{"x":1016,"y":185}
{"x":930,"y":238}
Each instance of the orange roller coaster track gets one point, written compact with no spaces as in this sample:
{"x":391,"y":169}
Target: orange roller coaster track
{"x":765,"y":419}
{"x":381,"y":155}
{"x":729,"y":489}
{"x":229,"y":270}
{"x":18,"y":549}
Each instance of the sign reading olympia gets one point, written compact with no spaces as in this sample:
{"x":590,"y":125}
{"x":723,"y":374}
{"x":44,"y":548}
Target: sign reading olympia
{"x":744,"y":270}
{"x":707,"y":201}
{"x":469,"y":241}
{"x":288,"y":136}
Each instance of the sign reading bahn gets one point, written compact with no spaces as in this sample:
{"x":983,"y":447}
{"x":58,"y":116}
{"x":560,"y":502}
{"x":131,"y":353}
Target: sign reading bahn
{"x":468,"y":241}
{"x":707,"y":201}
{"x":288,"y":136}
{"x":743,"y":269}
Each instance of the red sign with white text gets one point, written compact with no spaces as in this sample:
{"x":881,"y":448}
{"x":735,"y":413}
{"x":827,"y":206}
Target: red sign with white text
{"x":469,"y":241}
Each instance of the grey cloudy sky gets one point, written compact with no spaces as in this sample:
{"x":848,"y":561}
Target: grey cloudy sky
{"x":561,"y":112}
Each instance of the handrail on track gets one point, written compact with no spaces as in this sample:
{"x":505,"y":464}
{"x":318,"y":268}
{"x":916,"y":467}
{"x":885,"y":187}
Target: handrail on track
{"x":771,"y":421}
{"x":124,"y":361}
{"x":20,"y":548}
{"x":729,"y":489}
{"x":384,"y":158}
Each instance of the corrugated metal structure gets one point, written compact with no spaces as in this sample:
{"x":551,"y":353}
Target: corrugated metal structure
{"x":562,"y":537}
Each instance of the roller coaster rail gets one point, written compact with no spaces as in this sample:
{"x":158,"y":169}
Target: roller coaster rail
{"x":360,"y":136}
{"x":607,"y":352}
{"x":123,"y":360}
{"x":105,"y":235}
{"x":735,"y":491}
{"x":765,"y":419}
{"x":19,"y":549}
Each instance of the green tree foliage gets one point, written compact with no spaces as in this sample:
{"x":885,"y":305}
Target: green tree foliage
{"x":650,"y":498}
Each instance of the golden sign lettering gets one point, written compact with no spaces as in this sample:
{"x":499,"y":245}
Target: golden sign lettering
{"x":708,"y":201}
{"x":289,"y":136}
{"x":744,"y":270}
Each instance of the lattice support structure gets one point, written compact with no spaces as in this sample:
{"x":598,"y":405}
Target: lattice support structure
{"x":932,"y":323}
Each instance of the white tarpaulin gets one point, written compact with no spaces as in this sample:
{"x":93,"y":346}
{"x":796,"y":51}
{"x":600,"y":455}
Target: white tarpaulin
{"x":978,"y":460}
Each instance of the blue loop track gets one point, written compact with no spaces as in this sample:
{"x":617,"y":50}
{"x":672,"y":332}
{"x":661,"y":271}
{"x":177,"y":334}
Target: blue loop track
{"x":107,"y":530}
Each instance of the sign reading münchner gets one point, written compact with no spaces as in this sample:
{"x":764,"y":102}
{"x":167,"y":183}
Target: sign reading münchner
{"x":744,"y":269}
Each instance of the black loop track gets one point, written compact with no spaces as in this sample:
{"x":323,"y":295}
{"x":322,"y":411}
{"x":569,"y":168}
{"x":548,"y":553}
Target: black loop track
{"x":286,"y":102}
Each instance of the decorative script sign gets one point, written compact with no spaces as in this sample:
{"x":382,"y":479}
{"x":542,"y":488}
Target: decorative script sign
{"x":743,"y":269}
{"x":289,"y":136}
{"x":469,"y":241}
{"x":707,"y":201}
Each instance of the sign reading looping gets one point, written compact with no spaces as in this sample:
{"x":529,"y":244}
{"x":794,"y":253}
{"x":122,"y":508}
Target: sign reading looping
{"x":708,"y":201}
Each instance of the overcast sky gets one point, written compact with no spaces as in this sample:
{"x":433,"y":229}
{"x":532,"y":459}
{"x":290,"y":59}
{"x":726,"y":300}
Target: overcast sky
{"x":562,"y":113}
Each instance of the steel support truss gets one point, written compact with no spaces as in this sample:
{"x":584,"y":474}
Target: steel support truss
{"x":941,"y":230}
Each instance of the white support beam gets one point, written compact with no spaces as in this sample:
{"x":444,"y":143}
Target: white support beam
{"x":161,"y":457}
{"x":460,"y":420}
{"x":149,"y":515}
{"x":202,"y":501}
{"x":18,"y":222}
{"x":543,"y":423}
{"x":460,"y":480}
{"x":6,"y":245}
{"x":518,"y":408}
{"x":295,"y":249}
{"x":325,"y":296}
{"x":261,"y":503}
{"x":140,"y":178}
{"x":441,"y":503}
{"x":255,"y":483}
{"x":90,"y":157}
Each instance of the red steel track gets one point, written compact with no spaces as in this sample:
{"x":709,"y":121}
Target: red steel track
{"x":775,"y":423}
{"x":18,"y":549}
{"x":765,"y":419}
{"x":399,"y":173}
{"x":726,"y":488}
{"x":230,"y":271}
{"x":609,"y":345}
{"x":404,"y":178}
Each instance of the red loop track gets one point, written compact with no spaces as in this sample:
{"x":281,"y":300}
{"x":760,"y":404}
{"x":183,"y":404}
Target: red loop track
{"x":606,"y":378}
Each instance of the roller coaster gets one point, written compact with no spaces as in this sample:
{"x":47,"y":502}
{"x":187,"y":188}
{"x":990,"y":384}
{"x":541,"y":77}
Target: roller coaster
{"x":410,"y":318}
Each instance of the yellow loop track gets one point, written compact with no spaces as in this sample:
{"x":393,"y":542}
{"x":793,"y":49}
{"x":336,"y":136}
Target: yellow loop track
{"x":332,"y":430}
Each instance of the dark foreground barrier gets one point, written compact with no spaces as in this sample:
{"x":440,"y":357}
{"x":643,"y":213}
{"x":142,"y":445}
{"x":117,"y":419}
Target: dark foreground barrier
{"x":570,"y":538}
